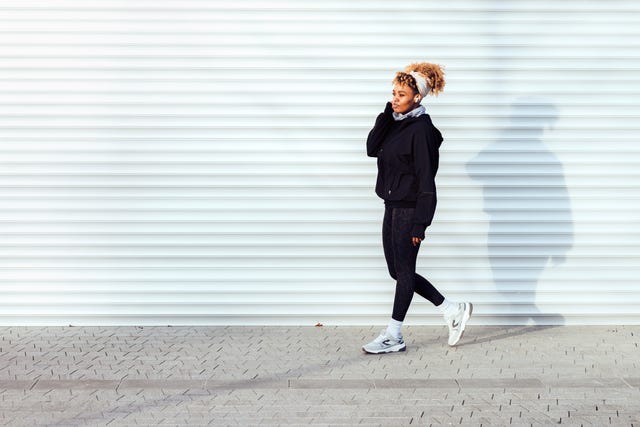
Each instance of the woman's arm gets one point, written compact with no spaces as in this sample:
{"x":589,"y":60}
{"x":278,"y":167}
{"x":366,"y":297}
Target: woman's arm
{"x":425,"y":156}
{"x":379,"y":131}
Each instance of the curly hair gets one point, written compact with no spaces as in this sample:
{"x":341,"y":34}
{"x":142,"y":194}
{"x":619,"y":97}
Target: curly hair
{"x":433,"y":73}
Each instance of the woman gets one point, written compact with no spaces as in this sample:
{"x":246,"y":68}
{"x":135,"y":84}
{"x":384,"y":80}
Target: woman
{"x":406,"y":143}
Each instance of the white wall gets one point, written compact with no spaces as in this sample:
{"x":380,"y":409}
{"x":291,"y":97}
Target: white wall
{"x":203,"y":162}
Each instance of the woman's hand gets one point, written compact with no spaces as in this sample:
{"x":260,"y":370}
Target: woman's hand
{"x":416,"y":241}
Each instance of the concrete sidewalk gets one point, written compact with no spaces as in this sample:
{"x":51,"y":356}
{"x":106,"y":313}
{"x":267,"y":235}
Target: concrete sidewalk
{"x":189,"y":376}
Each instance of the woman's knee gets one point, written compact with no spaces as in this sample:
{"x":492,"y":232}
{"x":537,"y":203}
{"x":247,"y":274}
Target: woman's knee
{"x":406,"y":276}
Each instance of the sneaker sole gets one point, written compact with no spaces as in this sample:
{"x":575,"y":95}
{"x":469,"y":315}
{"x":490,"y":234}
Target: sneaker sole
{"x":463,"y":323}
{"x":388,"y":350}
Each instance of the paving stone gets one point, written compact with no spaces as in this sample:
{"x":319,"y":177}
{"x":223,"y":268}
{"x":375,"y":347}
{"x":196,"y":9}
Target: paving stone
{"x":233,"y":376}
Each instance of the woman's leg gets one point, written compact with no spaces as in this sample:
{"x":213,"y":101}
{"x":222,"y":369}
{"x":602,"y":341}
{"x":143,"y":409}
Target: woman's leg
{"x":404,"y":257}
{"x":421,"y":285}
{"x":390,"y":340}
{"x":387,"y":241}
{"x":425,"y":289}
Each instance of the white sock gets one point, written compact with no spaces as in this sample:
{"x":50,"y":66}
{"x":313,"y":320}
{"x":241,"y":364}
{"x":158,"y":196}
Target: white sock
{"x":394,"y":328}
{"x":447,"y":306}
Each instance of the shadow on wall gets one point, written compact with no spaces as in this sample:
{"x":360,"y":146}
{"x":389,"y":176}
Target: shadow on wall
{"x":526,"y":199}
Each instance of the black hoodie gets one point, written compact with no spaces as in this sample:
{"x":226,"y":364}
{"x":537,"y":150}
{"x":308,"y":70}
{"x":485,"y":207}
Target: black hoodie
{"x":407,"y":152}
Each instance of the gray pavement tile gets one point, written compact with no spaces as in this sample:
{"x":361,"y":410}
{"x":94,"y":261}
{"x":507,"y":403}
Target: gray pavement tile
{"x":163,"y":384}
{"x":588,"y":382}
{"x":16,"y":385}
{"x":252,"y":384}
{"x":416,"y":383}
{"x":331,"y":383}
{"x":85,"y":384}
{"x":632,"y":381}
{"x":500,"y":383}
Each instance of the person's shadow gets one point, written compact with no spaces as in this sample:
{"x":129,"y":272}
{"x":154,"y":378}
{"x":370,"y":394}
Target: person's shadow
{"x":526,"y":199}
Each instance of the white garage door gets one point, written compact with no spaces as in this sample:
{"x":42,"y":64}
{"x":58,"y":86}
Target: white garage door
{"x":202,"y":162}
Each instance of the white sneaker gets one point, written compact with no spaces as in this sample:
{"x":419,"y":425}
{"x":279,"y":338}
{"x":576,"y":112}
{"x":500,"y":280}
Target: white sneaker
{"x":457,"y":321}
{"x":385,"y":344}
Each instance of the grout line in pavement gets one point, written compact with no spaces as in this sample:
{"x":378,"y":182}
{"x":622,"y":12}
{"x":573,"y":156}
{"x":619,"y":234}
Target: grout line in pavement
{"x":327,"y":383}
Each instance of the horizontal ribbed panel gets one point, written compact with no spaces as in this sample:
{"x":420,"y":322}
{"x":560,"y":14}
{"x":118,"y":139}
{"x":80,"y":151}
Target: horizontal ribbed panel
{"x":203,"y":162}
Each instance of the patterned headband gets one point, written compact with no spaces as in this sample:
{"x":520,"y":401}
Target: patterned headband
{"x":421,"y":83}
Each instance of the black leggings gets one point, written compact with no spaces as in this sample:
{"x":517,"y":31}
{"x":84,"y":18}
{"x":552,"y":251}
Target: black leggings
{"x":401,"y":260}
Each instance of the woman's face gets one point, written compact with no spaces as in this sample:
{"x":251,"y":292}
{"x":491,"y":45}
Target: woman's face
{"x":403,"y":99}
